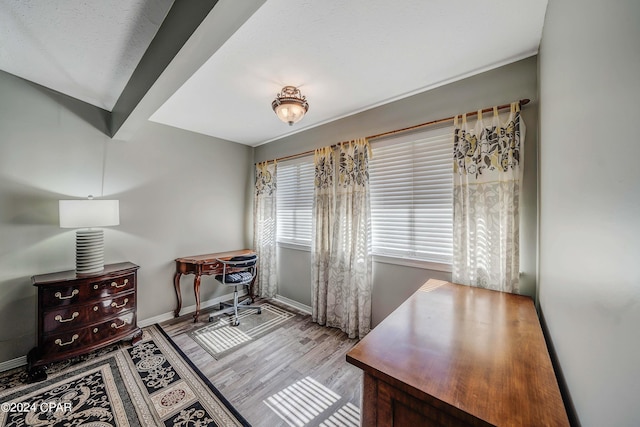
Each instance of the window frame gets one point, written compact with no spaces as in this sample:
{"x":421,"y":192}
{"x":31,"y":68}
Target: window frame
{"x":303,"y":165}
{"x":442,"y":137}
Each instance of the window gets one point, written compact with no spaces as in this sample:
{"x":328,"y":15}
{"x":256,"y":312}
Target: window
{"x":295,"y":201}
{"x":411,"y":184}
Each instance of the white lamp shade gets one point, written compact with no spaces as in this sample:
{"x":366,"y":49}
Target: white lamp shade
{"x":89,"y":213}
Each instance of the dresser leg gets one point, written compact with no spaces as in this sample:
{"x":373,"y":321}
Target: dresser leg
{"x":35,"y":373}
{"x":137,"y":336}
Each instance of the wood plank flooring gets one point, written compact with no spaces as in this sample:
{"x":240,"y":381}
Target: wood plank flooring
{"x":296,"y":375}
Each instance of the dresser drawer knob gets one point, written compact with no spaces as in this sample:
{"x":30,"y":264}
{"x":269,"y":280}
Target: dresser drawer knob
{"x":73,"y":294}
{"x":95,"y":286}
{"x":73,"y":316}
{"x":114,"y":305}
{"x":60,"y":343}
{"x":114,"y":326}
{"x":95,"y":308}
{"x":95,"y":330}
{"x":116,"y":285}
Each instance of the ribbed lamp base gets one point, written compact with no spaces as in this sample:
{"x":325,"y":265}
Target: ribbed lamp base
{"x":89,"y":251}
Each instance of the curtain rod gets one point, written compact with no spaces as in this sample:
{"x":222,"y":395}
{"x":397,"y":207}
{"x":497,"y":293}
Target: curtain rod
{"x":393,"y":132}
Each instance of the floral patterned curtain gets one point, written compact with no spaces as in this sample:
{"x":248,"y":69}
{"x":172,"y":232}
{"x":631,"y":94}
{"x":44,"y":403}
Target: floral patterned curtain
{"x":341,"y":250}
{"x":488,"y":166}
{"x":264,"y":230}
{"x":323,"y":211}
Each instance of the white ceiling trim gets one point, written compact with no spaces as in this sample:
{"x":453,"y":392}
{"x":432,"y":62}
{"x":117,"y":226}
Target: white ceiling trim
{"x":406,"y":95}
{"x":346,"y":57}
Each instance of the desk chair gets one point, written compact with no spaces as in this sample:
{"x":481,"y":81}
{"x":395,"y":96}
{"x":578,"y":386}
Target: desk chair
{"x":237,"y":271}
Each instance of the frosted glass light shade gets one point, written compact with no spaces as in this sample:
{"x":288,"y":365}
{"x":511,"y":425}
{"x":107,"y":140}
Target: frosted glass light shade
{"x":290,"y":105}
{"x":290,"y":112}
{"x":89,"y":213}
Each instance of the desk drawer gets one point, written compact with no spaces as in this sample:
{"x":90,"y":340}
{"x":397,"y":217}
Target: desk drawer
{"x":213,"y":268}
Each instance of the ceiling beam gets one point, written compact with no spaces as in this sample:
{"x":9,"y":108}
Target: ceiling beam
{"x":190,"y":34}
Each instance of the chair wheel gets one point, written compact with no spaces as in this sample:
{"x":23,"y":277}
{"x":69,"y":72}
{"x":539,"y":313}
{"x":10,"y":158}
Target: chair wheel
{"x":235,"y":322}
{"x":259,"y":311}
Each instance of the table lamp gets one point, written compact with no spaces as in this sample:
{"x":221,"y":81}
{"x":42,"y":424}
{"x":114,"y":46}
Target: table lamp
{"x":87,"y":214}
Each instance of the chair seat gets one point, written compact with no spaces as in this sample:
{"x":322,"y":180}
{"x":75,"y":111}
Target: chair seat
{"x":240,"y":277}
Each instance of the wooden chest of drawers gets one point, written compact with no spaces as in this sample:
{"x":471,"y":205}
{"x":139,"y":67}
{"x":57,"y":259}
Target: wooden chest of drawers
{"x":81,"y":313}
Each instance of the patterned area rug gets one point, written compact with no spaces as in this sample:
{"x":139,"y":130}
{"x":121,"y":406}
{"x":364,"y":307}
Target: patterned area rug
{"x":149,"y":384}
{"x":220,"y":338}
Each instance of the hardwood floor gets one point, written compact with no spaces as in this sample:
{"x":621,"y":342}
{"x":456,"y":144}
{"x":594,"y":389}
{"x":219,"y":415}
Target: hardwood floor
{"x":296,"y":375}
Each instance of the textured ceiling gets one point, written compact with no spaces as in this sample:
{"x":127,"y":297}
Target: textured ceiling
{"x":86,"y":49}
{"x":346,"y":56}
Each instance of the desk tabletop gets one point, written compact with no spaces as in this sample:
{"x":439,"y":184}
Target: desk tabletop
{"x":209,"y":258}
{"x":480,"y":351}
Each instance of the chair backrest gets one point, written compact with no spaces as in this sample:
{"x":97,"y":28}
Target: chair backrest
{"x":241,"y":261}
{"x":239,"y":270}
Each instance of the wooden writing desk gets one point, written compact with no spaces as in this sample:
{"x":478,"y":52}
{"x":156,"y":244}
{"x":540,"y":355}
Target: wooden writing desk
{"x":202,"y":264}
{"x":453,"y":355}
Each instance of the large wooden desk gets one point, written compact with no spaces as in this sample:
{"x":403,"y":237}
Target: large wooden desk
{"x":453,"y":355}
{"x":202,"y":264}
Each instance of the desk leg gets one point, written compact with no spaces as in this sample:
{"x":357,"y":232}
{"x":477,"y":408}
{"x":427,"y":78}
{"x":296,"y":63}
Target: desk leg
{"x":196,"y":291}
{"x":176,"y":286}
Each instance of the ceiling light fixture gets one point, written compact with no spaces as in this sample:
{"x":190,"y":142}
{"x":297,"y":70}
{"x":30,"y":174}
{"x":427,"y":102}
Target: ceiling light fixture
{"x":290,"y":105}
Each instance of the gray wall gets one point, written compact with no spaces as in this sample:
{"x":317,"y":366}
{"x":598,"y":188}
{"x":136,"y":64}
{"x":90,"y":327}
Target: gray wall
{"x":589,"y":284}
{"x":394,"y":283}
{"x":168,"y":181}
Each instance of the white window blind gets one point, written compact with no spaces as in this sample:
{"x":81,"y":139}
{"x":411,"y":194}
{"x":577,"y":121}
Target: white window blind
{"x":411,"y":184}
{"x":295,"y":201}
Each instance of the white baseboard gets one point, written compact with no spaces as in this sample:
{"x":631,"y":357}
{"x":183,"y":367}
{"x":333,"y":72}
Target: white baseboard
{"x":294,"y":304}
{"x":13,"y":363}
{"x":189,"y":309}
{"x":22,"y":360}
